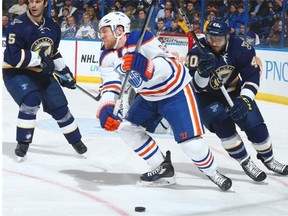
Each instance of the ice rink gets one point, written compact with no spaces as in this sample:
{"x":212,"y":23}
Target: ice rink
{"x":55,"y":181}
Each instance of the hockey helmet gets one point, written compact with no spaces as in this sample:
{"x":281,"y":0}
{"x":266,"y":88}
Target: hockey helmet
{"x":114,"y":19}
{"x":217,"y":28}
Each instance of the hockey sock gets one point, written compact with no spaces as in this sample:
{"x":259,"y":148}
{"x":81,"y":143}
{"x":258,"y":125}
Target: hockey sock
{"x":142,"y":144}
{"x":27,"y":117}
{"x":67,"y":124}
{"x":235,"y":147}
{"x":200,"y":154}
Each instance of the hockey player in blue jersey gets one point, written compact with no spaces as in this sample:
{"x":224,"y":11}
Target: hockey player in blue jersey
{"x":30,"y":58}
{"x":165,"y":90}
{"x":234,"y":61}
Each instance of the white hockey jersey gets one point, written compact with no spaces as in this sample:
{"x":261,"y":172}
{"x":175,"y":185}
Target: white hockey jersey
{"x":170,"y":75}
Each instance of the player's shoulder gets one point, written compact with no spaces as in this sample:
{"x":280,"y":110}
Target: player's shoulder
{"x":51,"y":23}
{"x":236,"y":43}
{"x":134,"y":36}
{"x":239,"y":48}
{"x":19,"y":23}
{"x":106,"y":55}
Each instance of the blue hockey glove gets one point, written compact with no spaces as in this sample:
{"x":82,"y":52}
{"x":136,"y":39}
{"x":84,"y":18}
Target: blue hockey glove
{"x":47,"y":63}
{"x":206,"y":64}
{"x":108,"y":120}
{"x":68,"y":80}
{"x":242,"y":105}
{"x":137,"y":62}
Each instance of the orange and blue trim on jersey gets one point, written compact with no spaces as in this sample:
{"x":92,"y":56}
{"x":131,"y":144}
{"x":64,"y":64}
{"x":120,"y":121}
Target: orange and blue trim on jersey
{"x":171,"y":84}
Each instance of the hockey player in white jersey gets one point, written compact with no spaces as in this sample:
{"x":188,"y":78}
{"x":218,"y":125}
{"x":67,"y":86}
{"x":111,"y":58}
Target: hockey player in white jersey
{"x":165,"y":90}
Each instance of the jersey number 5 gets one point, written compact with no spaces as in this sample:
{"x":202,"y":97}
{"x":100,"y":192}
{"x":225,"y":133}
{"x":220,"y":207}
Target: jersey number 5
{"x":11,"y":38}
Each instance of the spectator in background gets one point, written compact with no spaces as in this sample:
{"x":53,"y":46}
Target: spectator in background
{"x":175,"y":28}
{"x":161,"y":28}
{"x":168,"y":18}
{"x":86,"y":30}
{"x":161,"y":12}
{"x":98,"y":8}
{"x":138,"y":21}
{"x":69,"y":5}
{"x":17,"y":9}
{"x":63,"y":19}
{"x":90,"y":10}
{"x":71,"y":29}
{"x":5,"y":22}
{"x":232,"y":14}
{"x":54,"y":15}
{"x":211,"y":16}
{"x":196,"y":26}
{"x":58,"y":4}
{"x":190,"y":11}
{"x":118,"y":4}
{"x":259,"y":10}
{"x":273,"y":40}
{"x":239,"y":18}
{"x":251,"y":37}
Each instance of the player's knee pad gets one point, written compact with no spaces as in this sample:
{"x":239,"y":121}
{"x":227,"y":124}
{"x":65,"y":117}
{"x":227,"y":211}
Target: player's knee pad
{"x":61,"y":114}
{"x":194,"y":148}
{"x":258,"y":133}
{"x":217,"y":120}
{"x":30,"y":104}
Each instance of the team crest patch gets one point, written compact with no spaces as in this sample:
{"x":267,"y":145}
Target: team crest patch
{"x":135,"y":79}
{"x":44,"y":42}
{"x":224,"y":73}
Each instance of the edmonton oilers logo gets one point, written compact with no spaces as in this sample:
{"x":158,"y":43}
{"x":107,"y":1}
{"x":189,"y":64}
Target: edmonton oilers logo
{"x":135,"y":79}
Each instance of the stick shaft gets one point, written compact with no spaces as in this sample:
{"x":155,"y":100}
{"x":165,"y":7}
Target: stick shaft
{"x":143,"y":31}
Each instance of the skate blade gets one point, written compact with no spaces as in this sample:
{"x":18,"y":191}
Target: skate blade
{"x":158,"y":183}
{"x":83,"y":156}
{"x":20,"y":159}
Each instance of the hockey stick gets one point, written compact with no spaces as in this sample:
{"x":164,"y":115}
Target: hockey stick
{"x":142,"y":34}
{"x":61,"y":76}
{"x":218,"y":78}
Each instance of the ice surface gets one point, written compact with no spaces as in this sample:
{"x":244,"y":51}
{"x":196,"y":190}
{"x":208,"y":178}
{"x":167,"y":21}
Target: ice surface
{"x":55,"y":181}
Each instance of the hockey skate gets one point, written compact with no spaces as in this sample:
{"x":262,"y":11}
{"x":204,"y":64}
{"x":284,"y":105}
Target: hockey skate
{"x":162,"y":175}
{"x":21,"y":150}
{"x":274,"y":165}
{"x":252,"y":170}
{"x":223,"y":182}
{"x":80,"y":148}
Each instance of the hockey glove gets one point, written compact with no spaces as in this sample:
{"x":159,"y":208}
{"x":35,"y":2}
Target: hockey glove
{"x":108,"y":120}
{"x":47,"y":63}
{"x":67,"y":81}
{"x":137,"y":62}
{"x":206,"y":65}
{"x":242,"y":105}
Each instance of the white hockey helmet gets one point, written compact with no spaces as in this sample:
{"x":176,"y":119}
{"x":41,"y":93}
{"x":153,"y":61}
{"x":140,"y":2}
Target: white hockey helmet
{"x":115,"y":19}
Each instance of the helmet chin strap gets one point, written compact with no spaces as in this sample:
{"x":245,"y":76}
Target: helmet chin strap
{"x":118,"y":39}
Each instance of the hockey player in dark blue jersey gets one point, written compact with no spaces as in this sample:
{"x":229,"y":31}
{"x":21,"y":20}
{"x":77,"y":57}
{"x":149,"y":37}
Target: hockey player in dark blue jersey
{"x":234,"y":61}
{"x":30,"y":58}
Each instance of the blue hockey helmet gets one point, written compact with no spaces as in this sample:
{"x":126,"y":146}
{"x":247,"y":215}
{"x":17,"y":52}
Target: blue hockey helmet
{"x":217,"y":28}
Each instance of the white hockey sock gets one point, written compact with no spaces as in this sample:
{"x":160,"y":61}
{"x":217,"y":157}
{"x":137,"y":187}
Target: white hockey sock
{"x":200,"y":154}
{"x":141,"y":143}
